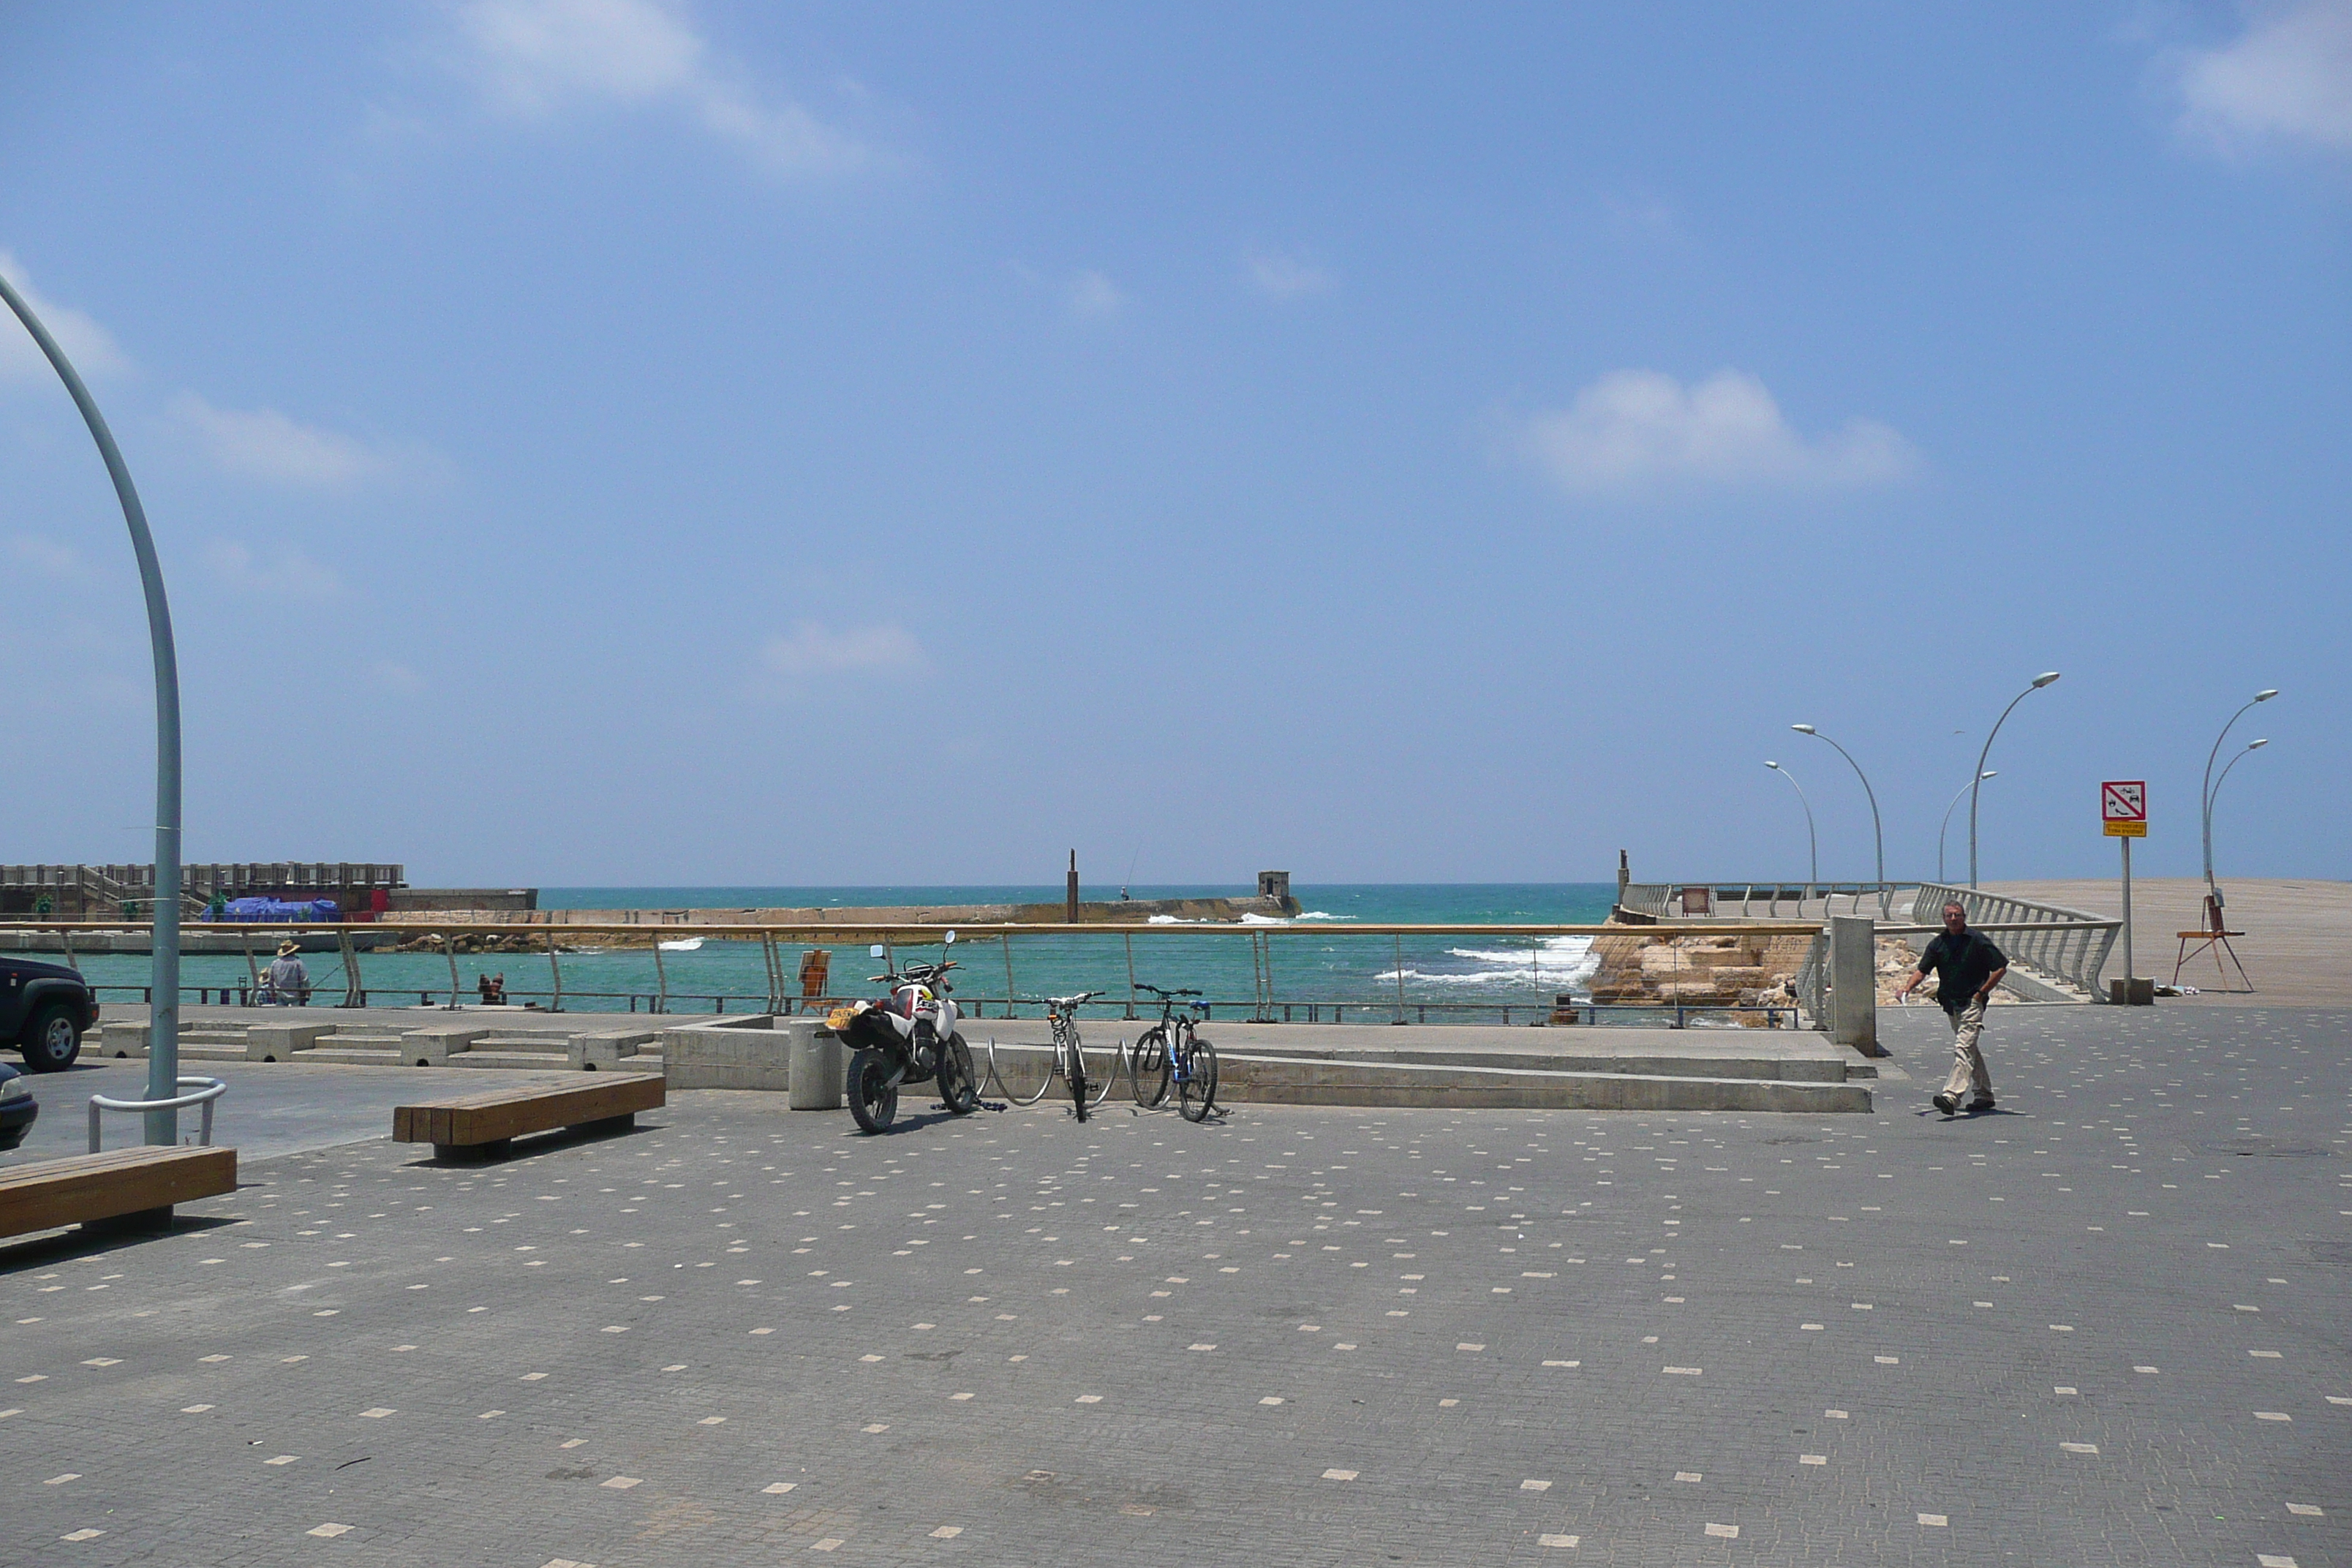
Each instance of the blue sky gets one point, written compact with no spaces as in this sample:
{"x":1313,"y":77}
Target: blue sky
{"x":601,"y":441}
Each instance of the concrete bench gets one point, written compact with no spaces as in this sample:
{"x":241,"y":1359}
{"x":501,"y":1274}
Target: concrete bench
{"x":130,"y":1186}
{"x":483,"y":1124}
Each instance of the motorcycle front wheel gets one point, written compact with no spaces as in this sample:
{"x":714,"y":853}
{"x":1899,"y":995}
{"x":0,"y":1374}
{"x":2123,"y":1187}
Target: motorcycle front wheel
{"x":959,"y":1088}
{"x":873,"y":1098}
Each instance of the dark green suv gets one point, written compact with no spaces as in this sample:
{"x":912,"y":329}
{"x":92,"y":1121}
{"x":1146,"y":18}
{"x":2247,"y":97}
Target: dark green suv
{"x":44,"y":1009}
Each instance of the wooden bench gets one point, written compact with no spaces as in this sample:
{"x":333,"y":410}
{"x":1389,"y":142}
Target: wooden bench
{"x":136,"y":1187}
{"x":483,"y":1124}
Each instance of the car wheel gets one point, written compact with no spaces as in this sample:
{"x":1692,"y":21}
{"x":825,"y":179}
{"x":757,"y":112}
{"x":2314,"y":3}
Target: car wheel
{"x":53,"y":1041}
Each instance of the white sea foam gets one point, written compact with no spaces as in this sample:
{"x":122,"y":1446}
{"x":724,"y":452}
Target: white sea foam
{"x":1320,"y":915}
{"x":1249,"y":919}
{"x":1560,"y":962}
{"x":683,"y":944}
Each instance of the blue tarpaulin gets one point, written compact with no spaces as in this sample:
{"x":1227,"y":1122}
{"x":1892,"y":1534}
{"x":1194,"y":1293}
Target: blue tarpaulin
{"x":278,"y":909}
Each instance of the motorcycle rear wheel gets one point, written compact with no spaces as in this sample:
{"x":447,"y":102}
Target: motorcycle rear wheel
{"x":873,"y":1098}
{"x":959,"y":1088}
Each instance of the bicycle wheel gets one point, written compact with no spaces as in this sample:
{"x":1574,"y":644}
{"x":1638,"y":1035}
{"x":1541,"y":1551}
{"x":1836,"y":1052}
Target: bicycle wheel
{"x":1147,"y":1067}
{"x":1198,"y":1088}
{"x":873,"y":1098}
{"x":1101,"y":1084}
{"x":1073,"y":1065}
{"x":1016,"y":1084}
{"x":958,"y":1089}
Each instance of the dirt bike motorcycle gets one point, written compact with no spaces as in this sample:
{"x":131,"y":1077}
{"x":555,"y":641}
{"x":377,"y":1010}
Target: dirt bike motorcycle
{"x":909,"y":1037}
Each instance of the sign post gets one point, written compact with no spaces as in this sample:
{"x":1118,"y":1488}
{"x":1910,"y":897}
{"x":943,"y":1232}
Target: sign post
{"x":2123,"y":813}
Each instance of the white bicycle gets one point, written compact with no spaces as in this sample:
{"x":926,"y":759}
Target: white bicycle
{"x":1067,"y":1059}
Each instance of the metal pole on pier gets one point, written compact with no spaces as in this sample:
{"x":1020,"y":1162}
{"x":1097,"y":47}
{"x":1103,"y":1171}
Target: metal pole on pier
{"x":163,"y":1010}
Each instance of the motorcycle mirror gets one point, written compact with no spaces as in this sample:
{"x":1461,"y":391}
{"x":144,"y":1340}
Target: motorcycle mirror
{"x":875,"y":951}
{"x":951,"y":938}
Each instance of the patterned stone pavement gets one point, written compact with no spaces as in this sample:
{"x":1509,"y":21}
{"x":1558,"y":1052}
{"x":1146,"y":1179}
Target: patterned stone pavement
{"x":2103,"y":1325}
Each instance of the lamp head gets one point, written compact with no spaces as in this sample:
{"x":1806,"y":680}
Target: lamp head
{"x":2266,"y":696}
{"x":1804,"y":728}
{"x":1770,"y":764}
{"x":1990,"y":774}
{"x":2258,"y":745}
{"x":2044,"y":679}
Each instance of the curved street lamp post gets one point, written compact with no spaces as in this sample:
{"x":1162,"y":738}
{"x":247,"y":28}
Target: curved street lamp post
{"x":2044,"y":679}
{"x":164,"y":1011}
{"x":1877,"y":837}
{"x":1990,"y":774}
{"x":2215,"y":794}
{"x":2205,"y":795}
{"x":1812,"y":841}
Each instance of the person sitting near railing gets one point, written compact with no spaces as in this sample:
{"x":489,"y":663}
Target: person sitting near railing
{"x":285,"y":982}
{"x":493,"y":988}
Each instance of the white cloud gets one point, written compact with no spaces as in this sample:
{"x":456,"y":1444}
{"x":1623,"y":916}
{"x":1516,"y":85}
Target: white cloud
{"x":1638,"y":430}
{"x":536,"y":57}
{"x":285,"y":576}
{"x":1287,"y":277}
{"x":89,"y":345}
{"x":263,"y":444}
{"x":2287,"y":78}
{"x":1093,"y":298}
{"x":45,"y":556}
{"x":810,"y":651}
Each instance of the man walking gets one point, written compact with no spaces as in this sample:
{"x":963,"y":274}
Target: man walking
{"x":1966,"y":966}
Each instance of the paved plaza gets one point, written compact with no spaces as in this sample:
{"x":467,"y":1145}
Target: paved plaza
{"x":2103,"y":1325}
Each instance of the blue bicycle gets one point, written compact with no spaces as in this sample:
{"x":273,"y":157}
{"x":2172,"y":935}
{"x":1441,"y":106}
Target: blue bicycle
{"x":1170,"y":1053}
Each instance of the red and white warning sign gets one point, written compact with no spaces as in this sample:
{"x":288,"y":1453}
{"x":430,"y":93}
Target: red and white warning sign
{"x":2123,"y":807}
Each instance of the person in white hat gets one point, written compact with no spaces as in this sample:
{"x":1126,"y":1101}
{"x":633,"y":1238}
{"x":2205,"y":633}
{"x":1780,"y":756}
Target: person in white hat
{"x":288,"y":983}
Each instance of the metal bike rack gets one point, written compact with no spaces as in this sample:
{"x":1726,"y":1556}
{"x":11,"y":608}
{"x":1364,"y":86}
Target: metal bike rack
{"x":214,"y":1088}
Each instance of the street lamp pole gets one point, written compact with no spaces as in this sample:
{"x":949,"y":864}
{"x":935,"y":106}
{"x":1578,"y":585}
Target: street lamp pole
{"x":2044,"y":679}
{"x":2205,"y":795}
{"x":1811,"y":841}
{"x":2214,"y":794}
{"x":1878,"y":838}
{"x":163,"y":1010}
{"x":1994,"y":773}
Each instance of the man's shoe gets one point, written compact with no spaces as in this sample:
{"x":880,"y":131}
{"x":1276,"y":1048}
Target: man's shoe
{"x":1984,"y":1104}
{"x":1944,"y":1103}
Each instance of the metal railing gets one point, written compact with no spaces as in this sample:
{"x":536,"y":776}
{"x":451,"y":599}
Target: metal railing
{"x":1271,"y":1001}
{"x":1755,"y":900}
{"x":2069,"y":946}
{"x":214,"y":1088}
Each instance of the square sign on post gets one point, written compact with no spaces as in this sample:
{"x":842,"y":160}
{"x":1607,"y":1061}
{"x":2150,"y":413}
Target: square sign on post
{"x":2123,"y":806}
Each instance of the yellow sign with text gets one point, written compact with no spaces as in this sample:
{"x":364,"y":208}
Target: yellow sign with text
{"x":2125,"y":829}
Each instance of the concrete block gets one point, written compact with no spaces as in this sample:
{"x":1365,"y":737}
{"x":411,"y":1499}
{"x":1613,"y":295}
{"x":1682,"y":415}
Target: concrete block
{"x":601,"y":1051}
{"x":278,"y":1042}
{"x":121,"y":1040}
{"x":820,"y":1066}
{"x":726,"y":1053}
{"x":432,"y":1048}
{"x":1853,"y":983}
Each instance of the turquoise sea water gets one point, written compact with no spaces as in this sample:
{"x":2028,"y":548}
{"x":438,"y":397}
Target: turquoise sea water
{"x":1313,"y":959}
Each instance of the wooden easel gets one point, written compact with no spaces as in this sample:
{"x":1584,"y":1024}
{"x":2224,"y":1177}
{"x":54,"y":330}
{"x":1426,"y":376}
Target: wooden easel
{"x":2214,"y":938}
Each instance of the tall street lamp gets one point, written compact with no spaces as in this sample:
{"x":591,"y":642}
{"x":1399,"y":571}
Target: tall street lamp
{"x":1988,"y":773}
{"x":2044,"y":679}
{"x":163,"y":1010}
{"x":2215,"y":795}
{"x":1877,"y":837}
{"x":2205,"y":795}
{"x":1812,"y":842}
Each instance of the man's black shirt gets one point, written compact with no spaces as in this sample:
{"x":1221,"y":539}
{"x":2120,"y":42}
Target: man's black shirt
{"x":1961,"y":964}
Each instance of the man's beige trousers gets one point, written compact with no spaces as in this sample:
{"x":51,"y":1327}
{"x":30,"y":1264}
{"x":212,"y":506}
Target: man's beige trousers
{"x":1968,"y":1062}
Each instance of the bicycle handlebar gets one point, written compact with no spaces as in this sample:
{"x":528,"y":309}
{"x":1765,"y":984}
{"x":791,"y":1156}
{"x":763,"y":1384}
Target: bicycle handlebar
{"x":1156,"y":991}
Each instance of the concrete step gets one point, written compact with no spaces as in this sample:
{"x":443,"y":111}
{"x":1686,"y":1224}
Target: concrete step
{"x":541,"y":1061}
{"x":348,"y":1056}
{"x":212,"y":1051}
